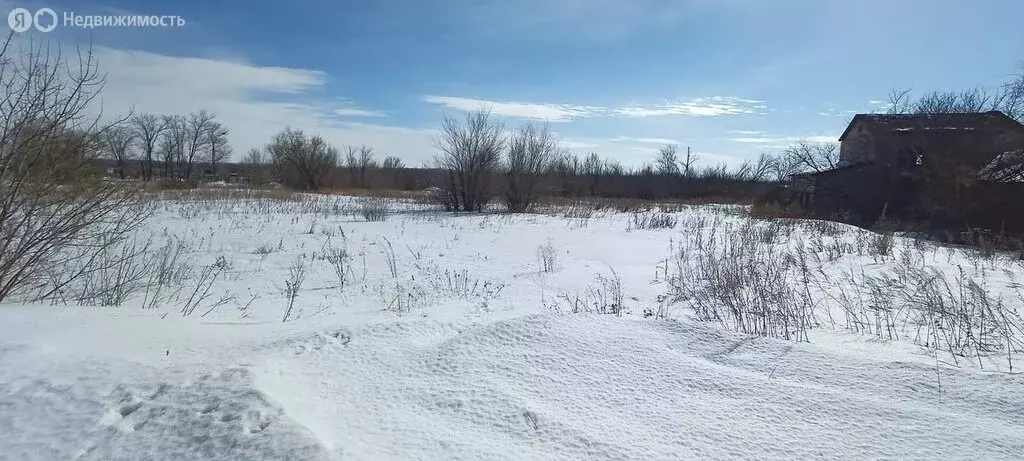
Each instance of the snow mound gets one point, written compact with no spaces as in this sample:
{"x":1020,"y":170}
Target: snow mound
{"x":594,"y":387}
{"x":95,"y":410}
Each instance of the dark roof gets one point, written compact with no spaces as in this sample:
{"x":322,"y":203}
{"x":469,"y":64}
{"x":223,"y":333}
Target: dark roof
{"x":951,"y":121}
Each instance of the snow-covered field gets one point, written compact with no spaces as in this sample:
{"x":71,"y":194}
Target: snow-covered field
{"x":445,"y":338}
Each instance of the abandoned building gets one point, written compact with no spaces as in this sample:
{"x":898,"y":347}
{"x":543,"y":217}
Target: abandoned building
{"x":952,"y":170}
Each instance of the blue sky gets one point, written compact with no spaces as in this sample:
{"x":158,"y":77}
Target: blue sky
{"x":730,"y":78}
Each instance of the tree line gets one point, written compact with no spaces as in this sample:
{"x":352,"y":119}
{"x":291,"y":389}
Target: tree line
{"x":480,"y":160}
{"x":167,"y":146}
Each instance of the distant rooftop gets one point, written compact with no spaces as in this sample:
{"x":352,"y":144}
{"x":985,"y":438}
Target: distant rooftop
{"x":947,"y":121}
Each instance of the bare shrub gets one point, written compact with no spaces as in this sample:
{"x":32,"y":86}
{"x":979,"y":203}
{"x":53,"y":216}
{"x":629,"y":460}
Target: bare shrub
{"x":399,"y":298}
{"x":579,"y":210}
{"x":744,"y":284}
{"x":304,"y":162}
{"x":653,"y":221}
{"x":548,"y":256}
{"x":374,"y":208}
{"x":389,"y":257}
{"x":264,"y":249}
{"x":201,"y":293}
{"x":959,"y":315}
{"x":604,"y":296}
{"x":579,"y":213}
{"x":338,"y":258}
{"x":881,"y":244}
{"x":531,"y":149}
{"x":462,"y":284}
{"x":56,"y":211}
{"x":470,"y":152}
{"x":296,"y":276}
{"x":244,"y":309}
{"x":118,"y":272}
{"x":171,"y":267}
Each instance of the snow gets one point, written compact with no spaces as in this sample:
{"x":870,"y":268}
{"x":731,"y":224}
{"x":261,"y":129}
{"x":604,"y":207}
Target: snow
{"x":468,"y":372}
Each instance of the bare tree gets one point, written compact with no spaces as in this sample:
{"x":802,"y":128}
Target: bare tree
{"x":531,"y":150}
{"x":1008,"y":99}
{"x":812,"y":156}
{"x":592,"y":168}
{"x":612,"y":167}
{"x":392,"y":163}
{"x":592,"y":165}
{"x":470,"y":151}
{"x":899,"y":102}
{"x":358,"y":161}
{"x":949,"y":102}
{"x":304,"y":162}
{"x":117,"y":144}
{"x":1013,"y":97}
{"x":55,"y":217}
{"x":218,"y":149}
{"x":364,"y":163}
{"x":352,"y":165}
{"x":148,"y":128}
{"x":256,"y":160}
{"x":256,"y":156}
{"x":172,"y":144}
{"x":760,"y":171}
{"x":667,"y":162}
{"x":689,"y":162}
{"x":196,"y":140}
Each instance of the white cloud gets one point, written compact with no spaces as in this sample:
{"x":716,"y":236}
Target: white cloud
{"x":539,"y":111}
{"x":748,"y":132}
{"x":356,"y":112}
{"x":579,"y":144}
{"x":203,"y":77}
{"x":700,"y":107}
{"x":238,"y":92}
{"x":782,"y":140}
{"x":645,"y":140}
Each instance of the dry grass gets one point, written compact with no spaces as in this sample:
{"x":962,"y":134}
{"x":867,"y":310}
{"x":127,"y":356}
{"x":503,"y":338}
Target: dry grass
{"x":773,"y":210}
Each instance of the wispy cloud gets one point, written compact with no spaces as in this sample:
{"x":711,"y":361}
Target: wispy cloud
{"x":782,"y":140}
{"x":833,"y":112}
{"x":357,"y":112}
{"x":579,"y":144}
{"x":205,"y":77}
{"x":539,"y":111}
{"x":644,"y":140}
{"x":700,"y":107}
